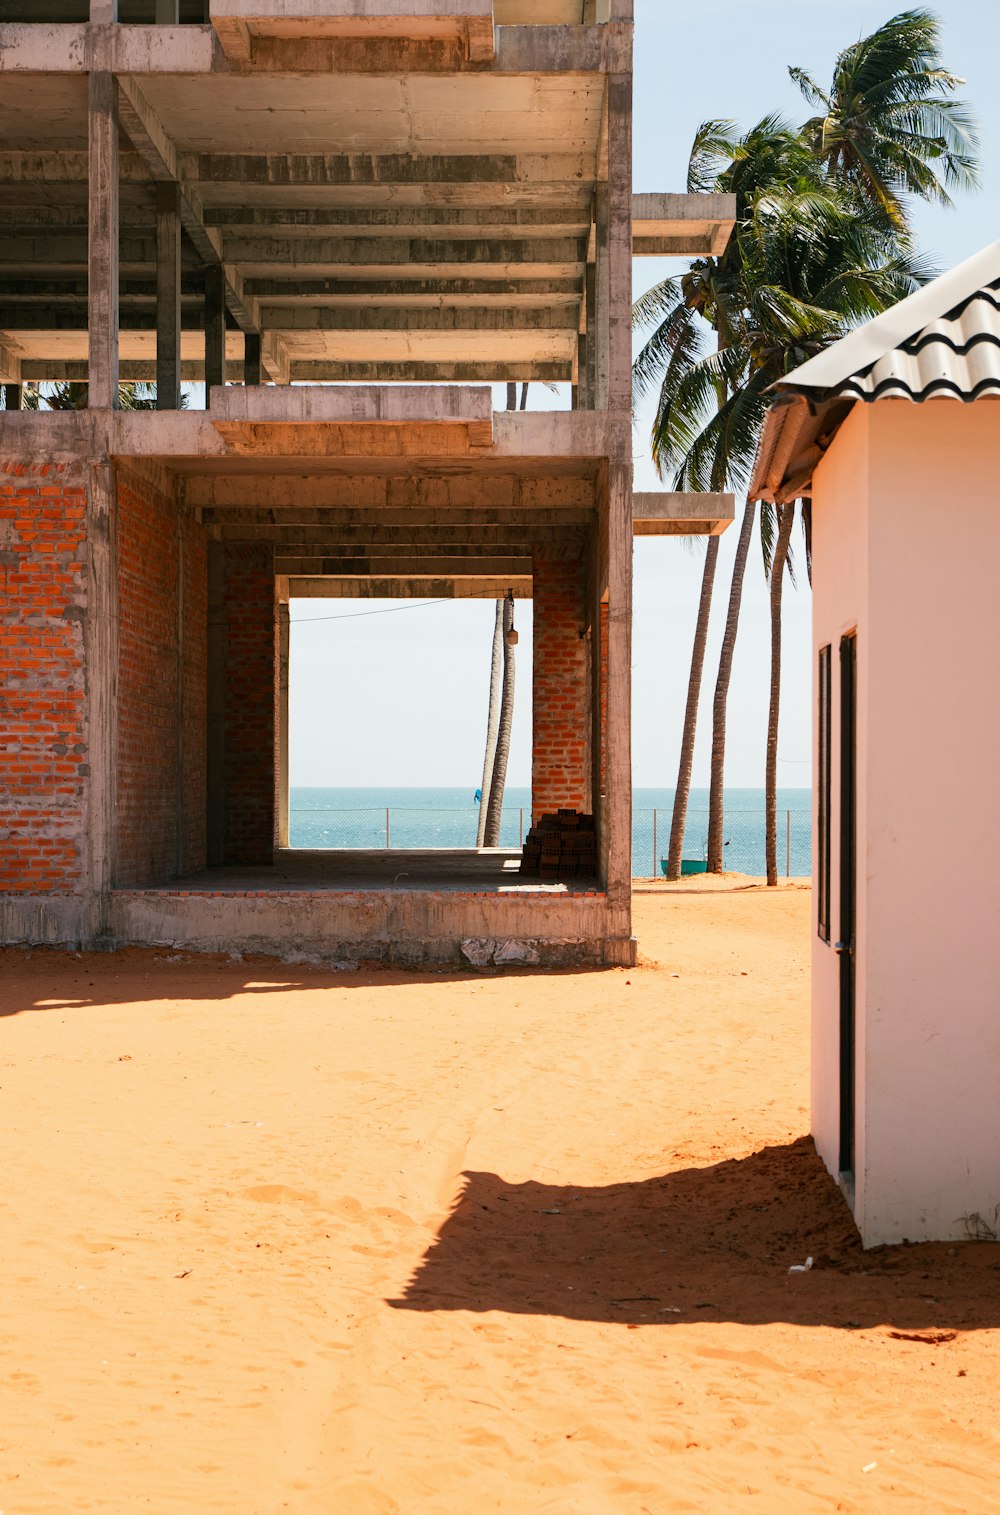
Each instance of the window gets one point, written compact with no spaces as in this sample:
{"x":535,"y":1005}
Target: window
{"x":824,"y":782}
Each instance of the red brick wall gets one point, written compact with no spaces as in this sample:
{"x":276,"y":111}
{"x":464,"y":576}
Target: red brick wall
{"x":248,"y":766}
{"x":560,"y":762}
{"x":160,"y":762}
{"x":43,"y":758}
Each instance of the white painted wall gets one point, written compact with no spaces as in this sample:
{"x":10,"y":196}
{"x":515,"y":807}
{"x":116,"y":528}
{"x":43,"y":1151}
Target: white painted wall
{"x":907,"y":546}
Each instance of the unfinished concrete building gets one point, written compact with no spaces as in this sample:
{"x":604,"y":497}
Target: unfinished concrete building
{"x":348,"y":218}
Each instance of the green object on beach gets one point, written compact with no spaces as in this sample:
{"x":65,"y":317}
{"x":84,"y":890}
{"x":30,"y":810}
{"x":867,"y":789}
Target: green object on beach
{"x":688,"y":865}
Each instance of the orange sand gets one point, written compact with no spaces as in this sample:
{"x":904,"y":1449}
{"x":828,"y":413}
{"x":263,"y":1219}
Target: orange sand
{"x":279,"y":1239}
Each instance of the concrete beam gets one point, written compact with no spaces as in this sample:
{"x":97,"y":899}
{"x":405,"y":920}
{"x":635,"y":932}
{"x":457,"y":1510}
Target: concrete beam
{"x":10,"y":360}
{"x":294,"y":318}
{"x":410,"y":292}
{"x":405,"y":565}
{"x":522,"y":524}
{"x":558,"y":255}
{"x":418,"y":536}
{"x":568,"y":220}
{"x":416,"y":586}
{"x":557,"y":171}
{"x":680,"y":514}
{"x":686,"y":225}
{"x":460,"y":498}
{"x":359,"y":406}
{"x":494,"y":370}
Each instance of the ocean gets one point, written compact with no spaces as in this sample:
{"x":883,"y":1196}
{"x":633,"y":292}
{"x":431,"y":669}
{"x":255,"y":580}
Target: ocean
{"x":412,"y":818}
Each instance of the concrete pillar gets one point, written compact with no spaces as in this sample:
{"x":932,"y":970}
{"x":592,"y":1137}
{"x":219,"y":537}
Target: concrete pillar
{"x":168,"y":297}
{"x":589,"y":380}
{"x":102,"y":11}
{"x":561,"y":688}
{"x":618,"y":742}
{"x":601,"y":335}
{"x":251,"y":357}
{"x":103,"y":243}
{"x":101,"y":653}
{"x":619,"y":238}
{"x":215,"y":328}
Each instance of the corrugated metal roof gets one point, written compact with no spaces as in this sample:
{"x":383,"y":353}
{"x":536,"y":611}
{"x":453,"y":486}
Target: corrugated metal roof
{"x":943,"y":341}
{"x":958,"y":355}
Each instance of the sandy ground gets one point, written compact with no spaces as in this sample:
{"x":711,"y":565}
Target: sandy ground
{"x":279,"y":1239}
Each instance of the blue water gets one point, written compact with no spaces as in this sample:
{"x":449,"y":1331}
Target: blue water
{"x":448,"y":818}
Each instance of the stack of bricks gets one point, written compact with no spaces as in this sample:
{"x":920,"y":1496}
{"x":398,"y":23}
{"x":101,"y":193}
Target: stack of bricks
{"x":560,"y":846}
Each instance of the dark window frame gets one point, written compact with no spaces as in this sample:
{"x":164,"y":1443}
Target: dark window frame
{"x":824,"y":789}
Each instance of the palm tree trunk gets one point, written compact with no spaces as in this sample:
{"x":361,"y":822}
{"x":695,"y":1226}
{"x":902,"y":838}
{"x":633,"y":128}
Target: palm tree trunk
{"x":686,"y":765}
{"x":786,"y":515}
{"x":492,"y":725}
{"x":494,"y":811}
{"x":716,"y":793}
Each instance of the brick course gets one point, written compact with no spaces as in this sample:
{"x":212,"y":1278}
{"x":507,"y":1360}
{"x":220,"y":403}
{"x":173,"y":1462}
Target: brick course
{"x":44,"y":775}
{"x":560,"y":764}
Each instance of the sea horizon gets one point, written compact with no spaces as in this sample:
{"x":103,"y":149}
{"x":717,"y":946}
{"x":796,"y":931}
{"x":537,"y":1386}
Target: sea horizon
{"x":331,"y":816}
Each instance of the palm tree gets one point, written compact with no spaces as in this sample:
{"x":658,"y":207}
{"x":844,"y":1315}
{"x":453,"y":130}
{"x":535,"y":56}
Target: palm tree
{"x":72,"y":395}
{"x":494,"y":811}
{"x":888,"y":125}
{"x":710,"y":404}
{"x":492,"y":724}
{"x":786,"y":516}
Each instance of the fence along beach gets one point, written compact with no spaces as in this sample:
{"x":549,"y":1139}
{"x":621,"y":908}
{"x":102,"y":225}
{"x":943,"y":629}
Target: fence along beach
{"x":446,"y":818}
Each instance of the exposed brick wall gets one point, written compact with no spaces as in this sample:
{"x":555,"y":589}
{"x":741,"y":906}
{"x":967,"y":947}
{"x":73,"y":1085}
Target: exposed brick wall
{"x":561,"y":727}
{"x":43,"y":759}
{"x":249,"y":651}
{"x":161,"y":687}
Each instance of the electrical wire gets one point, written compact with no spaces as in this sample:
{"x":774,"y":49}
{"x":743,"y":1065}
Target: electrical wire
{"x":352,"y":615}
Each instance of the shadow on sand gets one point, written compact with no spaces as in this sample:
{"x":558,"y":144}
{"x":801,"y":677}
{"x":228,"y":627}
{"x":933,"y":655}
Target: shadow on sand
{"x":699,"y":1244}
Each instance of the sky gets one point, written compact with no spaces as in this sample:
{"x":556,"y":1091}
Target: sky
{"x":415,"y":681}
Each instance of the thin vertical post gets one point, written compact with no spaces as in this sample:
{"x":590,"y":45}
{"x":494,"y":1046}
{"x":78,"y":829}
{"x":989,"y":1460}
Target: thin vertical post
{"x":102,"y":259}
{"x":102,"y":11}
{"x":168,"y":297}
{"x":387,"y":828}
{"x":788,"y":844}
{"x":215,"y":329}
{"x":168,"y":12}
{"x":520,"y":830}
{"x":655,"y":848}
{"x":251,"y":358}
{"x":284,"y":647}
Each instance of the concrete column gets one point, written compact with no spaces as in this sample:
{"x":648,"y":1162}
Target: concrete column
{"x":101,"y":653}
{"x":103,"y":243}
{"x":619,"y":240}
{"x":251,"y":357}
{"x":590,"y":382}
{"x":600,"y":337}
{"x":215,"y":328}
{"x":281,"y":716}
{"x":103,"y":11}
{"x":561,"y":692}
{"x":618,"y":741}
{"x":168,"y":297}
